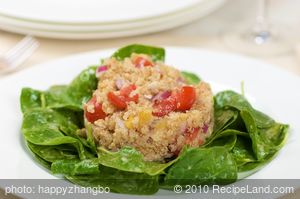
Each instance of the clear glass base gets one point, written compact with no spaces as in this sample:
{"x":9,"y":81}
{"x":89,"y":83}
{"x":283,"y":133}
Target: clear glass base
{"x":265,"y":41}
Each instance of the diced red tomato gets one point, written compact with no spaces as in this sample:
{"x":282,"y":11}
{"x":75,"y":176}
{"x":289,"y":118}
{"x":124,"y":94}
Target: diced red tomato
{"x":180,"y":101}
{"x":164,"y":107}
{"x":98,"y":112}
{"x":186,"y":98}
{"x":134,"y":98}
{"x":117,"y":101}
{"x":125,"y":91}
{"x":120,"y":101}
{"x":142,"y":62}
{"x":191,"y":135}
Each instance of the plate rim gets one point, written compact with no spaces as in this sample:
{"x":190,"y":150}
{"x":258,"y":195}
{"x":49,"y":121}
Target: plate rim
{"x":186,"y":8}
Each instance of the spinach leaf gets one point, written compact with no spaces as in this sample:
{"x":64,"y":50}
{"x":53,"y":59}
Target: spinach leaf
{"x":48,"y":119}
{"x":242,"y":151}
{"x":43,"y":126}
{"x":225,"y":141}
{"x":190,"y":78}
{"x":224,"y":118}
{"x":57,"y":97}
{"x":53,"y":153}
{"x":119,"y":181}
{"x":30,"y":99}
{"x":235,"y":100}
{"x":75,"y":166}
{"x":40,"y":160}
{"x":265,"y":141}
{"x":74,"y":95}
{"x":203,"y":166}
{"x":81,"y":88}
{"x":71,"y":97}
{"x":156,"y":53}
{"x":129,"y":159}
{"x":267,"y":136}
{"x":225,"y":133}
{"x":90,"y":139}
{"x":251,"y":167}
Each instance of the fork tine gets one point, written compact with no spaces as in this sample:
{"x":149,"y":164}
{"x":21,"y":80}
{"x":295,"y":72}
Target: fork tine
{"x":15,"y":63}
{"x":18,"y":46}
{"x":21,"y":48}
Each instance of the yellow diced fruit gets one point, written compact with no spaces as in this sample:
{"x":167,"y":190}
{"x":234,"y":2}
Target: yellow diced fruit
{"x":145,"y":117}
{"x":129,"y":122}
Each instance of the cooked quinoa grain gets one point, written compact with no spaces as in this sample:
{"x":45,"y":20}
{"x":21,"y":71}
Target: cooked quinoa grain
{"x":149,"y":106}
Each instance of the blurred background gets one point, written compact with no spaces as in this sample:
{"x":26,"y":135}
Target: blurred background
{"x":267,"y":30}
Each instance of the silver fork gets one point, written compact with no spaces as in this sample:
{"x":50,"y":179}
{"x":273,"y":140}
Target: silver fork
{"x":13,"y":58}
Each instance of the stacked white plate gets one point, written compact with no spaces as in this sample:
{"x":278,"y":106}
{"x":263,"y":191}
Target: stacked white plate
{"x":89,"y":19}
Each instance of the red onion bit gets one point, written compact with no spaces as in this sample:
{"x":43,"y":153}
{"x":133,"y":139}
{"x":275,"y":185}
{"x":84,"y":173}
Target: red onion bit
{"x":148,"y":97}
{"x":161,"y":96}
{"x":100,"y":70}
{"x":183,"y":128}
{"x":180,"y":80}
{"x":205,"y":128}
{"x":119,"y":83}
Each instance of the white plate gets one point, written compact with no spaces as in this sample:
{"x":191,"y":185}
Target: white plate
{"x":91,"y":11}
{"x":272,"y":90}
{"x":85,"y":31}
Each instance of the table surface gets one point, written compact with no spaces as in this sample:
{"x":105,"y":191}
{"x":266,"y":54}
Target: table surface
{"x":203,"y":33}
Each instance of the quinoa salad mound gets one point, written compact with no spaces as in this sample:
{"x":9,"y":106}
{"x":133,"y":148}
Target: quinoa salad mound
{"x":149,"y":106}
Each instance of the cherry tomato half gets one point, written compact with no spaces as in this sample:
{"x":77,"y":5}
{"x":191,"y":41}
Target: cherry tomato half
{"x":120,"y":101}
{"x":142,"y":62}
{"x":98,"y":112}
{"x":164,"y":107}
{"x":186,"y":98}
{"x":180,"y":101}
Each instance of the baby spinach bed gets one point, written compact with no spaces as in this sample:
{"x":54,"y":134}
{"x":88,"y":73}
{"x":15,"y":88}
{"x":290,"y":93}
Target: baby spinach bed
{"x":244,"y":139}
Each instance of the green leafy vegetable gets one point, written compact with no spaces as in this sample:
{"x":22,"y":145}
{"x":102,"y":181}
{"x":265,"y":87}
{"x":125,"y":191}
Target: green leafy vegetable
{"x":156,"y":53}
{"x":30,"y":99}
{"x":119,"y":181}
{"x":235,"y":100}
{"x":224,"y":118}
{"x":243,"y":140}
{"x":74,"y":95}
{"x":242,"y":151}
{"x":76,"y":167}
{"x":53,"y":153}
{"x":203,"y":166}
{"x":266,"y":137}
{"x":70,"y":97}
{"x":42,"y":126}
{"x":40,"y":160}
{"x":190,"y":78}
{"x":129,"y":159}
{"x":225,"y":141}
{"x":265,"y":141}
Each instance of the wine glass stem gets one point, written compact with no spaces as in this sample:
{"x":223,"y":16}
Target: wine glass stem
{"x":261,"y":30}
{"x":261,"y":18}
